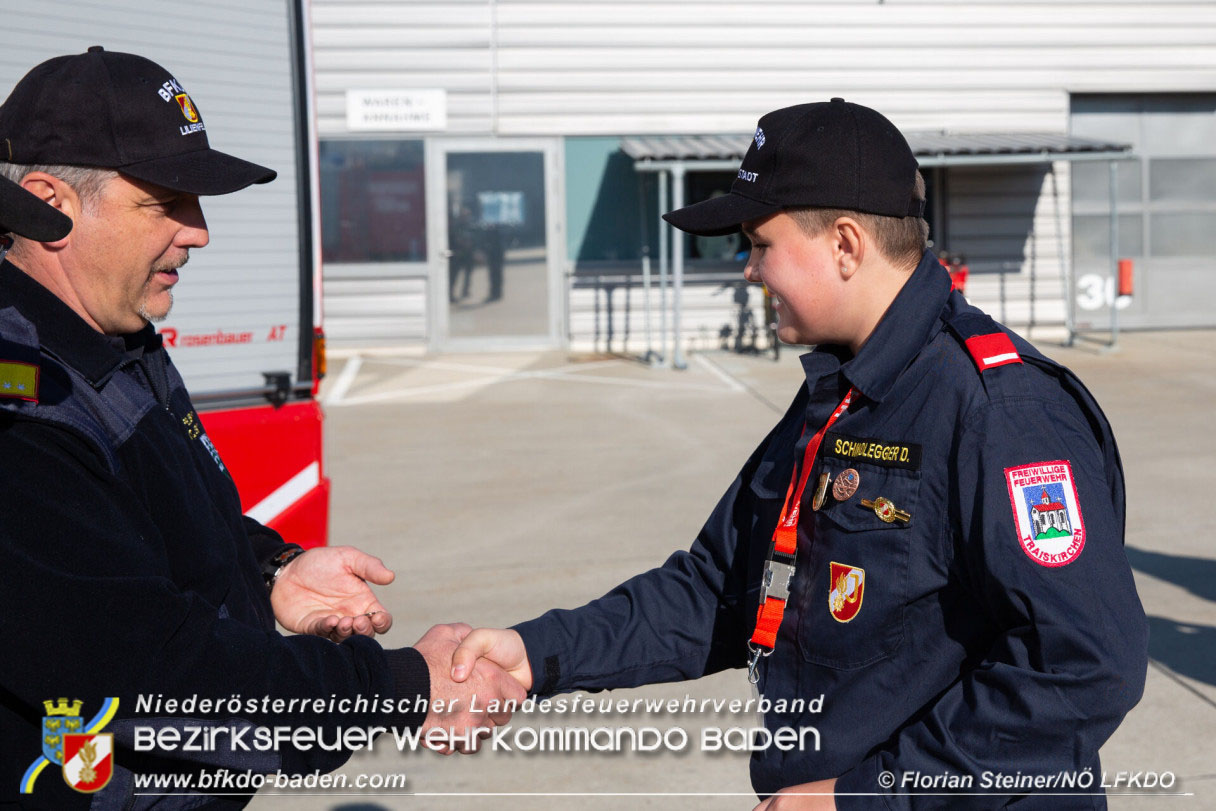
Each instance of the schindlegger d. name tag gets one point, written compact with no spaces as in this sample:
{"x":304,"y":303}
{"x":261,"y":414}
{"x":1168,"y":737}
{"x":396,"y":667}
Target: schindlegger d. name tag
{"x":888,"y":453}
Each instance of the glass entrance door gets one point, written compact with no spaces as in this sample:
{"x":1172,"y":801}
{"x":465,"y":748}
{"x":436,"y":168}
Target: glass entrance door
{"x":497,"y":274}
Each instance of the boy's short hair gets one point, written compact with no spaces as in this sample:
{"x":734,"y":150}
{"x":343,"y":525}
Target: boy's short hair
{"x":902,"y":240}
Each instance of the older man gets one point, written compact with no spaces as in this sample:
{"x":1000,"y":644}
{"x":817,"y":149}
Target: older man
{"x":126,"y":566}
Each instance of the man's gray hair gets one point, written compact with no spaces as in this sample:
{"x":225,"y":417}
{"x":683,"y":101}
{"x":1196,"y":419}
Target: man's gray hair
{"x":88,"y":181}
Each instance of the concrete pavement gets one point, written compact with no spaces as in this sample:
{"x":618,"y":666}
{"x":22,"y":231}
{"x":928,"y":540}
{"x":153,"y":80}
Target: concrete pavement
{"x":501,"y":485}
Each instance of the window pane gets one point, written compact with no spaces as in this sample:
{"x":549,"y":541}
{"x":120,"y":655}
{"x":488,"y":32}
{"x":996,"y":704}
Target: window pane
{"x":498,"y":268}
{"x":1091,"y":182}
{"x":1190,"y":234}
{"x":704,"y":186}
{"x":1182,"y":180}
{"x":373,"y":204}
{"x":1091,"y":237}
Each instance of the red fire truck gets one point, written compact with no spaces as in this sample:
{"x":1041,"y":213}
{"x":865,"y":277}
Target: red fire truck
{"x":245,"y":330}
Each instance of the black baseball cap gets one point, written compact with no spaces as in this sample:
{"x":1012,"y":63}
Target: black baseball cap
{"x":23,"y":214}
{"x":118,"y":111}
{"x":831,"y":154}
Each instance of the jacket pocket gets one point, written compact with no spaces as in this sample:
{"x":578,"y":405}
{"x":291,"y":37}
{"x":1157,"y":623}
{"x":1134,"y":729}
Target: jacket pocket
{"x":852,"y":581}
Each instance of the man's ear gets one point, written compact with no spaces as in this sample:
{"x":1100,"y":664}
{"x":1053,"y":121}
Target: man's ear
{"x":56,"y":194}
{"x":849,"y":245}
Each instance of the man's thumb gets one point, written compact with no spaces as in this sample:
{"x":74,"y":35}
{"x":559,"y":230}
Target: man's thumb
{"x":371,"y":568}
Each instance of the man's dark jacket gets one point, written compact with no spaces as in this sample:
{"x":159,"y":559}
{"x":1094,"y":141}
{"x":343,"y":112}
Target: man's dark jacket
{"x":126,"y":566}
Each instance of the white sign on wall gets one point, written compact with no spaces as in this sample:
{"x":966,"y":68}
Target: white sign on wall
{"x":396,"y":110}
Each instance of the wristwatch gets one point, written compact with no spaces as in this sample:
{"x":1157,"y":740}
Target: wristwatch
{"x":272,"y":567}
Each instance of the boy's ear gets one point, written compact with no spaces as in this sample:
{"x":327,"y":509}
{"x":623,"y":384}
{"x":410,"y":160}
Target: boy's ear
{"x":849,"y":245}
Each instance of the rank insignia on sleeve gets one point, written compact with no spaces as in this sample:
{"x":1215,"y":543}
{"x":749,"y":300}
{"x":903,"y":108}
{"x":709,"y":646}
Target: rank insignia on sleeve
{"x":847,"y":587}
{"x":1046,"y":512}
{"x":19,"y":381}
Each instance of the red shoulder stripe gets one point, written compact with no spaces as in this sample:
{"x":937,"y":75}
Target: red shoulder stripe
{"x":989,"y":351}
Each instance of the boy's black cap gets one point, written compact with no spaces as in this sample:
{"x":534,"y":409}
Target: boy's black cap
{"x":830,"y":154}
{"x":117,"y":111}
{"x":23,"y":214}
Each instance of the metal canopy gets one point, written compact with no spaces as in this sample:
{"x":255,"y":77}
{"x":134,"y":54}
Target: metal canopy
{"x":675,"y":156}
{"x":930,"y":148}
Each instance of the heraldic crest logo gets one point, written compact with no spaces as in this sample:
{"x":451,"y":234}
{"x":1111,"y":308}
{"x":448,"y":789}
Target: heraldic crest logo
{"x":847,"y":587}
{"x":82,"y":751}
{"x":1047,"y":512}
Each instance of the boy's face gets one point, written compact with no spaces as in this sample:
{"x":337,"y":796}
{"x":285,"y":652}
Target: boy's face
{"x":803,"y":275}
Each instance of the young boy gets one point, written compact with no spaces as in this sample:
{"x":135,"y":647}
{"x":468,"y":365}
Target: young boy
{"x":931,"y":537}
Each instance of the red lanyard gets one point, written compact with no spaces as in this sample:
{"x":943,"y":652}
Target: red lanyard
{"x":779,"y":568}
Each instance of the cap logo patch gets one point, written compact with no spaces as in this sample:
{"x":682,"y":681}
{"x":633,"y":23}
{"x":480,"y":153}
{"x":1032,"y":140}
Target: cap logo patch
{"x":759,"y":138}
{"x":1046,"y":512}
{"x":750,"y":177}
{"x":183,"y":101}
{"x":171,"y":91}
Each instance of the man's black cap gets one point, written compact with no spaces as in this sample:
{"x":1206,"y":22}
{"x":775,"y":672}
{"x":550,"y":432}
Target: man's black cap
{"x":830,"y":154}
{"x":23,"y":214}
{"x":117,"y":111}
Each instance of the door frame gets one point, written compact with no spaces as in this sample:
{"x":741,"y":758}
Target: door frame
{"x":438,"y":337}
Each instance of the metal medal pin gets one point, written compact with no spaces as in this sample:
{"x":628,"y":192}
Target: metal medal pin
{"x":846,"y":484}
{"x":821,"y":491}
{"x":886,"y":510}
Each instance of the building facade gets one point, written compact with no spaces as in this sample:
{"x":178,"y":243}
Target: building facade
{"x":475,"y":192}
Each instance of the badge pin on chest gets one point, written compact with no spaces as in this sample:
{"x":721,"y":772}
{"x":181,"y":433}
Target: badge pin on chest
{"x":821,"y":490}
{"x":886,"y":510}
{"x":846,"y":484}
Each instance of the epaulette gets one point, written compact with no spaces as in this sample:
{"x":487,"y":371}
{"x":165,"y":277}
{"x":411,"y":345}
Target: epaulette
{"x":996,"y":358}
{"x":990,"y":348}
{"x":984,"y":340}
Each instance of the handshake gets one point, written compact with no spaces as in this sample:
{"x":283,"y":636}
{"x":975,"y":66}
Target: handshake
{"x":478,"y":677}
{"x":325,"y":593}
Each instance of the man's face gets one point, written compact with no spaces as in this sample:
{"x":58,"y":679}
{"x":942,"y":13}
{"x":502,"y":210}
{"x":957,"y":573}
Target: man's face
{"x":801,"y":273}
{"x":126,"y":249}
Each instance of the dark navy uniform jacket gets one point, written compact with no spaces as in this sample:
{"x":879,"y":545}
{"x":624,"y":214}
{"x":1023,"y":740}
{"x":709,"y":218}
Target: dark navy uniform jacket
{"x":127,"y":569}
{"x":998,"y":630}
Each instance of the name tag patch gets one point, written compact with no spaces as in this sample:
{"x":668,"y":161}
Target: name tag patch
{"x":874,"y":451}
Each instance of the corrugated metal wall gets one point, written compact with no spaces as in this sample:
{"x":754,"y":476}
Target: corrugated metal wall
{"x":369,"y":310}
{"x":568,"y":67}
{"x":235,"y":60}
{"x":640,"y":67}
{"x":396,"y":44}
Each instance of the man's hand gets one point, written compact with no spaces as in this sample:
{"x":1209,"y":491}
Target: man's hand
{"x":504,"y":648}
{"x":324,"y":592}
{"x":484,"y":682}
{"x":788,"y":798}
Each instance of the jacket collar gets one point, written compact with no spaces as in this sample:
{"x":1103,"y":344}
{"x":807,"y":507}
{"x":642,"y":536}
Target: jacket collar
{"x":64,"y":334}
{"x":908,"y":324}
